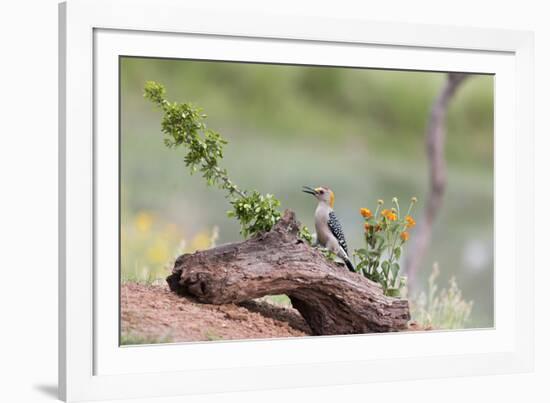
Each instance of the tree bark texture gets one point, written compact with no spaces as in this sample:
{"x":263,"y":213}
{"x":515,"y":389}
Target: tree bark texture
{"x":331,"y":299}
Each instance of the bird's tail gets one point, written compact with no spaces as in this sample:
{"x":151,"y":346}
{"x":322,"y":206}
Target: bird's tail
{"x":349,"y":265}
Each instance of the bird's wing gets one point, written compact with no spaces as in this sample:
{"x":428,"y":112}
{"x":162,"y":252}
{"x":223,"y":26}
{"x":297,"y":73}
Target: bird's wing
{"x":337,"y":231}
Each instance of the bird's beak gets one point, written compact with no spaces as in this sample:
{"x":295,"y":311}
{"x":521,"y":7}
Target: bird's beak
{"x":309,"y":189}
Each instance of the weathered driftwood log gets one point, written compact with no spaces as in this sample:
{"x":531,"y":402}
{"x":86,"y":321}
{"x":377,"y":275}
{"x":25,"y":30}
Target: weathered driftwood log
{"x":331,"y":299}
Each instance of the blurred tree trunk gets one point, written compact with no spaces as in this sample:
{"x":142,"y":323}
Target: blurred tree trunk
{"x":435,"y":149}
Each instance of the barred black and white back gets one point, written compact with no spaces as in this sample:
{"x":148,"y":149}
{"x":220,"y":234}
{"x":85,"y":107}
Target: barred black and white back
{"x":337,"y":231}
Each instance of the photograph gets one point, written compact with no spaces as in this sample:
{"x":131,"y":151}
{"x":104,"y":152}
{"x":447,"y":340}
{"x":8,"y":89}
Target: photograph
{"x":269,"y":201}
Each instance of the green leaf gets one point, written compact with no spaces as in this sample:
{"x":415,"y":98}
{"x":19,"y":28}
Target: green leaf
{"x":361,"y":252}
{"x":361,"y":264}
{"x":397,"y":252}
{"x":385,"y":269}
{"x":394,"y":271}
{"x":392,"y":292}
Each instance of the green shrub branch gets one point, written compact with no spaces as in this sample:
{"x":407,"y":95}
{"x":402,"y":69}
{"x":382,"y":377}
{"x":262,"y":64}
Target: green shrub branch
{"x":184,"y":126}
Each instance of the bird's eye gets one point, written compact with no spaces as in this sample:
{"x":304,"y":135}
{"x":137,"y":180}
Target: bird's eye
{"x":321,"y":191}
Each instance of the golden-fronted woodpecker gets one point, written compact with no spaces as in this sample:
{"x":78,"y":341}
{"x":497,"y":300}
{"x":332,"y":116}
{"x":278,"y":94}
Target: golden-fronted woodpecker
{"x":329,"y":230}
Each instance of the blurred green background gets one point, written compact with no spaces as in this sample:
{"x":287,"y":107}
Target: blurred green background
{"x":359,"y":131}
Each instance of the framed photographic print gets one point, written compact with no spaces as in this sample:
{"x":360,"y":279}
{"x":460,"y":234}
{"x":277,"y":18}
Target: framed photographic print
{"x":326,"y":203}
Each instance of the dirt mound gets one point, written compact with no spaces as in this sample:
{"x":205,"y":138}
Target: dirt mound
{"x":153,"y":314}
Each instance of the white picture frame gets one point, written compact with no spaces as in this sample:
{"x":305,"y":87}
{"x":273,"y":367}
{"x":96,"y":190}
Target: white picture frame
{"x":94,"y":33}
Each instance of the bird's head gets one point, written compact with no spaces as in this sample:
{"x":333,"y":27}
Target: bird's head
{"x":323,"y":194}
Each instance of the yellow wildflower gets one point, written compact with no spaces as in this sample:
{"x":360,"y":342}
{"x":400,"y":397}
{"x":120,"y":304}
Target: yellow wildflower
{"x":158,"y":253}
{"x":143,"y":221}
{"x":201,"y":241}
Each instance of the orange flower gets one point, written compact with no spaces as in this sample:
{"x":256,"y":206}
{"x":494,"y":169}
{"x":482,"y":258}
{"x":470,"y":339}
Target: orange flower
{"x":410,"y":221}
{"x":390,"y":215}
{"x":404,"y":236}
{"x":367,"y":226}
{"x":366,"y":213}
